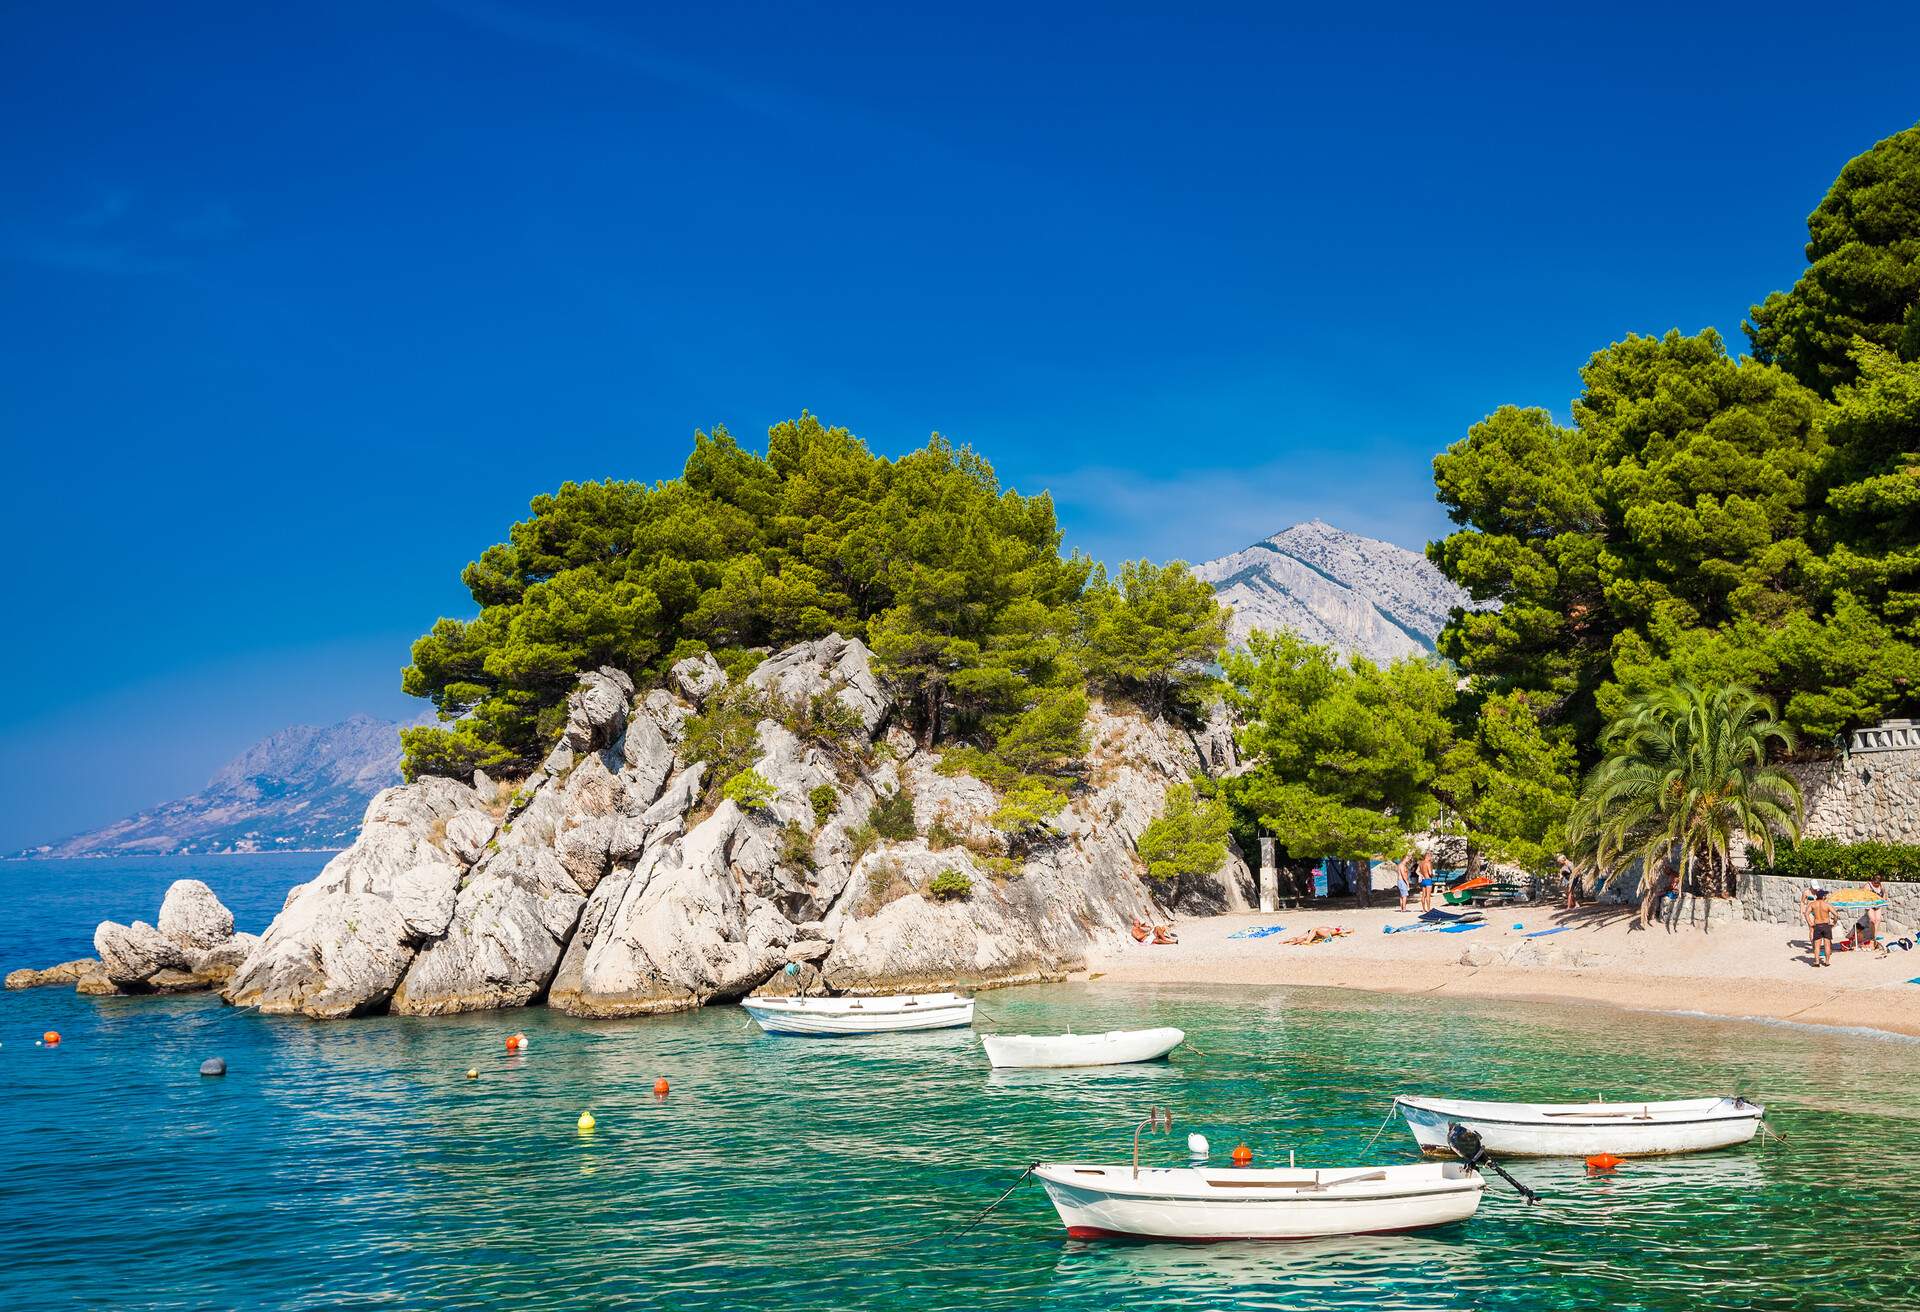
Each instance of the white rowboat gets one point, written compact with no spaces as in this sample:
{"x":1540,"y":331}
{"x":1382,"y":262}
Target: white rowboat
{"x":1585,"y":1129}
{"x":1114,"y":1048}
{"x":850,"y":1015}
{"x":1200,"y":1205}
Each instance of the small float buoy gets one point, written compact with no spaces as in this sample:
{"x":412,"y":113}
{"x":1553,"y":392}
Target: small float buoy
{"x":51,"y":1038}
{"x":1602,"y":1162}
{"x":585,"y":1122}
{"x":516,"y":1043}
{"x":1242,"y":1155}
{"x":660,"y":1087}
{"x":213,"y":1066}
{"x":472,"y":1074}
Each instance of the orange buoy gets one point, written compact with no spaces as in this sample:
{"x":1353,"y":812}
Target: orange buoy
{"x":516,"y":1043}
{"x":1602,"y":1162}
{"x":1242,"y":1155}
{"x":51,"y":1038}
{"x":660,"y":1087}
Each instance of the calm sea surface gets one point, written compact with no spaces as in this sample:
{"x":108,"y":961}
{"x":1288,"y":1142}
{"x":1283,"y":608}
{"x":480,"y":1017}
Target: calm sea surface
{"x":353,"y":1165}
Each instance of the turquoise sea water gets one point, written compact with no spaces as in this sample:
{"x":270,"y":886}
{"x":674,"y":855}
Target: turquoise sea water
{"x":353,"y":1164}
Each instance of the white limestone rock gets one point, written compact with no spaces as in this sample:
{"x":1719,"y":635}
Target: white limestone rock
{"x":597,"y":709}
{"x":468,"y":834}
{"x":193,"y":917}
{"x":424,"y":897}
{"x":697,"y":678}
{"x":835,"y":666}
{"x":509,"y":926}
{"x":330,"y":954}
{"x":219,"y":962}
{"x":132,"y":954}
{"x":682,"y":929}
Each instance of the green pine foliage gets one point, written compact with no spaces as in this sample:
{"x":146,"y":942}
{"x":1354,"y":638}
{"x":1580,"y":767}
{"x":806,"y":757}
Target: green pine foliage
{"x":1862,"y":282}
{"x":749,"y":790}
{"x":1189,"y":838}
{"x":1153,"y":637}
{"x":959,"y":586}
{"x":892,"y":817}
{"x":950,"y":885}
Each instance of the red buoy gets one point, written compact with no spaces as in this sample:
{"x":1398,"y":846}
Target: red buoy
{"x":660,"y":1087}
{"x":1602,"y":1162}
{"x":516,"y":1043}
{"x":1242,"y":1155}
{"x":51,"y":1038}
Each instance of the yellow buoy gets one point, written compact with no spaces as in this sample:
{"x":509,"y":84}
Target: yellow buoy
{"x":586,"y":1122}
{"x":472,"y":1074}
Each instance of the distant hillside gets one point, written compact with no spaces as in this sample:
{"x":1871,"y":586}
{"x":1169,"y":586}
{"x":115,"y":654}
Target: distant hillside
{"x":1338,"y":589}
{"x":304,"y":787}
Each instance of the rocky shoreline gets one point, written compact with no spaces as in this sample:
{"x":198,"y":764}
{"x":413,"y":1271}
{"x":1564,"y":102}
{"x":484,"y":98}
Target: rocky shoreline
{"x":613,"y":881}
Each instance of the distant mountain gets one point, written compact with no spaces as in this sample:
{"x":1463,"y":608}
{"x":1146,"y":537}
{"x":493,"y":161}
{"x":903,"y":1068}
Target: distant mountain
{"x":1338,"y":589}
{"x":304,"y":787}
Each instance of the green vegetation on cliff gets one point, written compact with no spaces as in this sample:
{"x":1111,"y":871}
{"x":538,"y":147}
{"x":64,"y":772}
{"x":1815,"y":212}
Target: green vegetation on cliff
{"x":1722,"y":522}
{"x":987,"y":632}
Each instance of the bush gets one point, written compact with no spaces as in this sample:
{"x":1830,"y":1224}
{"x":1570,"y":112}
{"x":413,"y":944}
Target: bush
{"x":892,"y":817}
{"x":950,"y":884}
{"x":862,"y":839}
{"x":749,"y":790}
{"x":1026,"y":812}
{"x":1189,"y":839}
{"x":796,"y":848}
{"x":1834,"y":862}
{"x":939,"y":837}
{"x":825,"y":800}
{"x":726,"y":734}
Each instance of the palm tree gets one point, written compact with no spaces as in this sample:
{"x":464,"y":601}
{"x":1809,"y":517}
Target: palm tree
{"x":1685,"y":770}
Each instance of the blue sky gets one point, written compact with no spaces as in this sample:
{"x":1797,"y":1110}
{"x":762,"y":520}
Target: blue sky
{"x":300,"y":304}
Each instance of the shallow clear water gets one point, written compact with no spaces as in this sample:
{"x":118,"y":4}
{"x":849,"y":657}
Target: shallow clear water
{"x":353,"y":1164}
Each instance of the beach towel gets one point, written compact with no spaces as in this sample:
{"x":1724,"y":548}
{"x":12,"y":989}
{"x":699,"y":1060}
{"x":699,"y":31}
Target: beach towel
{"x":1542,"y":933}
{"x":1256,"y":931}
{"x":1433,"y":929}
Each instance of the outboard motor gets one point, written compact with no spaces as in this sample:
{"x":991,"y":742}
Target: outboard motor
{"x":1465,"y":1141}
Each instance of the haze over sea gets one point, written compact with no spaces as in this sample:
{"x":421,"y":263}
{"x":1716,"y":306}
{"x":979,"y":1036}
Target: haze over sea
{"x":352,"y":1164}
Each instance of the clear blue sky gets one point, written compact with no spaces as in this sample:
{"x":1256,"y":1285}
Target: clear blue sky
{"x":299,"y":304}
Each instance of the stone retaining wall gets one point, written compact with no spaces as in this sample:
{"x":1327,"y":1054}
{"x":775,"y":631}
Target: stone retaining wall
{"x":1776,"y":898}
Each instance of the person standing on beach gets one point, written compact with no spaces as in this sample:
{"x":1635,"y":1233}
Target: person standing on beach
{"x":1403,"y":872}
{"x":1820,"y":926}
{"x":1426,"y":881}
{"x":1567,"y":873}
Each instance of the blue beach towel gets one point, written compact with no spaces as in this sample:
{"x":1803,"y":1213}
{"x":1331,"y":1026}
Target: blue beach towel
{"x":1431,"y":929}
{"x":1542,"y":933}
{"x":1256,"y":932}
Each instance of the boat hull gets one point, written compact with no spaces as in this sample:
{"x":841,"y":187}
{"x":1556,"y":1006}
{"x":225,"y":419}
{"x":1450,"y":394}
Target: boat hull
{"x":1060,"y":1051}
{"x":845,"y":1017}
{"x":1652,"y":1129}
{"x":1191,"y":1206}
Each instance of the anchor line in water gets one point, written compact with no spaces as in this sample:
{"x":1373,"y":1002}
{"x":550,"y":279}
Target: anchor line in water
{"x":955,"y":1233}
{"x":1392,"y":1107}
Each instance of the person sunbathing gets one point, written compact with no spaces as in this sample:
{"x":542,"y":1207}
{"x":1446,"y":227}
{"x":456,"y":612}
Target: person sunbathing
{"x":1319,"y":934}
{"x":1165,"y":934}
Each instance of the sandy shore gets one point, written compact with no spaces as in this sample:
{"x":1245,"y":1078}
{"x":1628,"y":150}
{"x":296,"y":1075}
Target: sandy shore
{"x":1735,"y":969}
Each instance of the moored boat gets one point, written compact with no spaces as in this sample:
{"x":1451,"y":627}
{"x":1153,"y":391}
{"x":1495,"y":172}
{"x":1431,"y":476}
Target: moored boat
{"x":1114,"y":1048}
{"x":860,"y":1015}
{"x":1624,"y":1129}
{"x":1198,"y":1205}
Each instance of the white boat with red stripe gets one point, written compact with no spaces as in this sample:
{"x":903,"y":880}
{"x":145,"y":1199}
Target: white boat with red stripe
{"x":1201,"y":1205}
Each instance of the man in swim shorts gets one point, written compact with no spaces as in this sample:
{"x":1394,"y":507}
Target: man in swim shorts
{"x":1820,"y":925}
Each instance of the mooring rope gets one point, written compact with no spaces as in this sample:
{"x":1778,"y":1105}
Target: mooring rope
{"x":951,"y":1232}
{"x":1392,"y":1107}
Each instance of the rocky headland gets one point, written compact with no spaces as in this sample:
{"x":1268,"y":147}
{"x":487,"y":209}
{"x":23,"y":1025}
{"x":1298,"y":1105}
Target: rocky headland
{"x":615,"y":880}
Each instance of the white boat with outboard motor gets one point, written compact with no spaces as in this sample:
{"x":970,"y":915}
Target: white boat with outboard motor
{"x":1585,"y":1129}
{"x":1058,"y":1051}
{"x":1202,"y":1204}
{"x":846,"y":1015}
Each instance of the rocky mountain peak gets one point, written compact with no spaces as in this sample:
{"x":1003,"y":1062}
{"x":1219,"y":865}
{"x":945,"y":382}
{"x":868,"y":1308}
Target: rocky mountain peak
{"x":1339,"y":589}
